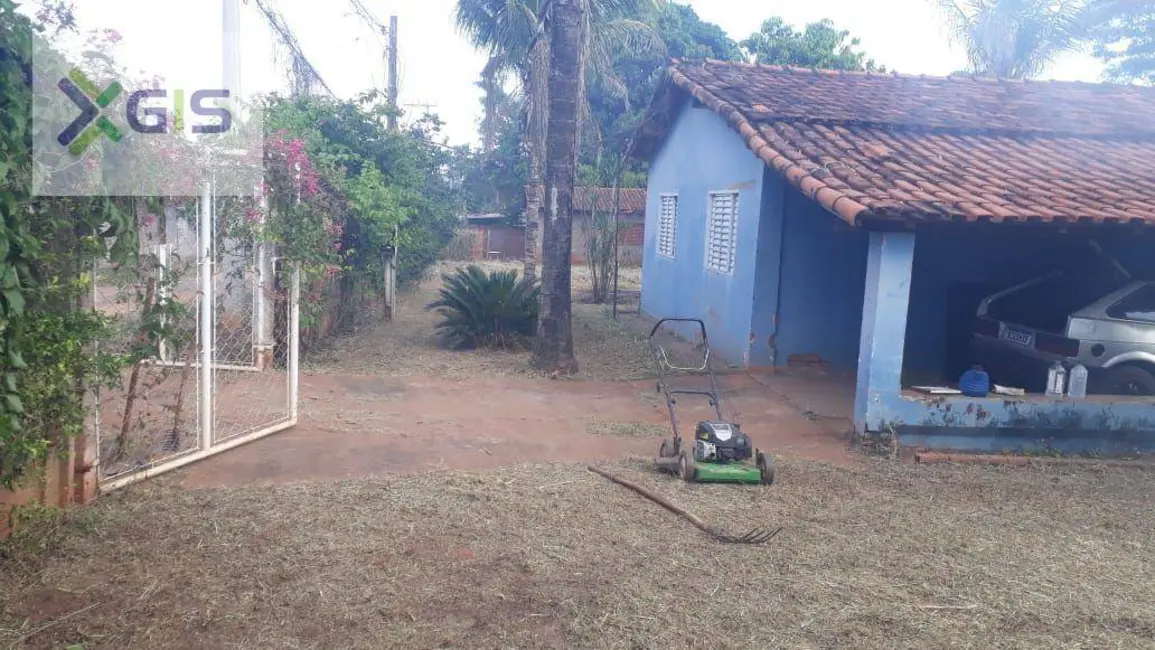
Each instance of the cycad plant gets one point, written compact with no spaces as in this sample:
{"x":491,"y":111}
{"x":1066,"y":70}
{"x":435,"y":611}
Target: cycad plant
{"x":493,"y":310}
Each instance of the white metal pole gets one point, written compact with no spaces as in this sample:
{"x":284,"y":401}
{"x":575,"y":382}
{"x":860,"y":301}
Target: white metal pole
{"x":206,"y":318}
{"x":262,"y":315}
{"x":294,"y":340}
{"x":231,"y":46}
{"x":162,"y":279}
{"x":97,"y":434}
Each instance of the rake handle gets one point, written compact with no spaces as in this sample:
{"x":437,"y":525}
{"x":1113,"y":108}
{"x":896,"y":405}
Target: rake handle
{"x":711,"y":530}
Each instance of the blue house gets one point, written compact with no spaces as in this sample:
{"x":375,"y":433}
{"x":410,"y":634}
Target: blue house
{"x":857,"y":220}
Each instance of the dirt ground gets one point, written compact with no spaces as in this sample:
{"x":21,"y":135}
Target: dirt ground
{"x":357,"y":426}
{"x":431,"y":499}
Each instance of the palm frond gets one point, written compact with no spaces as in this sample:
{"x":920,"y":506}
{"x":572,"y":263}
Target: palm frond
{"x":1013,"y":38}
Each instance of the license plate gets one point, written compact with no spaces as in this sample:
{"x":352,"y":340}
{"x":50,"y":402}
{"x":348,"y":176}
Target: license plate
{"x":1017,"y":336}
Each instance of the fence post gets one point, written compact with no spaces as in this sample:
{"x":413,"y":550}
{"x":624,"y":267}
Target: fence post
{"x":86,"y":469}
{"x":162,"y":294}
{"x":205,"y":318}
{"x":294,"y":341}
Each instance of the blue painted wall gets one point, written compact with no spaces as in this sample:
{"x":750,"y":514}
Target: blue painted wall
{"x":823,"y":271}
{"x":764,"y":320}
{"x":702,"y":154}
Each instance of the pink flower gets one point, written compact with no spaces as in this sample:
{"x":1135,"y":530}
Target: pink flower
{"x":113,"y":35}
{"x":149,"y":219}
{"x":252,"y":216}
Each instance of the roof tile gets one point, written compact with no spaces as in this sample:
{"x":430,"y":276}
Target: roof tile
{"x":924,"y":148}
{"x":633,"y":200}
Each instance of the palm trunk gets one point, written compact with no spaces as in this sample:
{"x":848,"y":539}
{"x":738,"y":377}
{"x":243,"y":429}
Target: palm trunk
{"x":488,"y":127}
{"x":553,"y":347}
{"x":537,"y":100}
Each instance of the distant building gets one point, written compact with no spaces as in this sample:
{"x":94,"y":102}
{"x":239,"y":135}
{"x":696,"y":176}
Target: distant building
{"x":495,"y":238}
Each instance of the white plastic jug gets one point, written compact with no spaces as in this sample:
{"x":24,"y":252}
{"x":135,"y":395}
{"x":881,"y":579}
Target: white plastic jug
{"x":1077,"y":381}
{"x":1056,"y":380}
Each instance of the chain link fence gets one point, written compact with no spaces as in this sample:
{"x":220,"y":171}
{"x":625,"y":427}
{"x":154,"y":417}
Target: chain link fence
{"x":198,"y":373}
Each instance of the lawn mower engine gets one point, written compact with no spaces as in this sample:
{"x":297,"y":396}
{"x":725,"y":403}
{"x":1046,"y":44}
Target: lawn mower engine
{"x":721,"y":442}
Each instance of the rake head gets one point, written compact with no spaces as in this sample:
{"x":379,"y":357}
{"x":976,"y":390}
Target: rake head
{"x":755,"y":536}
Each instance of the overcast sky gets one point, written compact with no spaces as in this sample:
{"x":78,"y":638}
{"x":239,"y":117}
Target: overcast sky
{"x":180,"y":40}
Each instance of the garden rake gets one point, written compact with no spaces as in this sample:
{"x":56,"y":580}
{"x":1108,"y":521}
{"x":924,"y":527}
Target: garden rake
{"x":754,"y":536}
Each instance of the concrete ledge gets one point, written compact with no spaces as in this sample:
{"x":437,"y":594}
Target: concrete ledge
{"x":934,"y":457}
{"x":1111,"y":442}
{"x":983,"y":424}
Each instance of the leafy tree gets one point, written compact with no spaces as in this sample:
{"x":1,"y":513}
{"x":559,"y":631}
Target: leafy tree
{"x":1013,"y":39}
{"x":493,"y":178}
{"x":390,"y":185}
{"x":689,"y":37}
{"x":1123,"y":35}
{"x":819,"y":45}
{"x":616,"y":116}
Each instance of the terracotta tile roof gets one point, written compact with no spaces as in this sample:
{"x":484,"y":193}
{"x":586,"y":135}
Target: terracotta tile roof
{"x":633,"y":201}
{"x":889,"y":147}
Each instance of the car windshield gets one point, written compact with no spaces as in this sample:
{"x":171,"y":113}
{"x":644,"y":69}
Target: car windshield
{"x":1046,"y":305}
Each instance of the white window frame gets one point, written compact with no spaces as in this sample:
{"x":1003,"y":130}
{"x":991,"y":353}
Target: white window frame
{"x":731,"y":260}
{"x":673,"y":225}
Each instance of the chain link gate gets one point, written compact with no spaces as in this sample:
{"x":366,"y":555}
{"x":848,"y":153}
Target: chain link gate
{"x":225,"y":369}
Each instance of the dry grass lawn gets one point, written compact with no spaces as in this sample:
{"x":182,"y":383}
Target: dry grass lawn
{"x":886,"y":556}
{"x":408,"y":346}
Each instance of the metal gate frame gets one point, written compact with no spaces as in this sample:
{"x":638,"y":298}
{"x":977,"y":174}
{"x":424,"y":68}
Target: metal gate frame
{"x":205,"y":363}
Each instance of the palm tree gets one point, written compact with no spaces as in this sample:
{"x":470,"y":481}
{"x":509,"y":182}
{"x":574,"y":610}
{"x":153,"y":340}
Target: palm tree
{"x":1014,"y":39}
{"x":516,"y":34}
{"x":569,"y":36}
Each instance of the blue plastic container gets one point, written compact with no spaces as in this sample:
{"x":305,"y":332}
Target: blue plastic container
{"x":975,"y":383}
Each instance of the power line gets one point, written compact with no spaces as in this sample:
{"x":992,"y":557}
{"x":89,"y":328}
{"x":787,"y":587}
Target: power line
{"x":305,"y":75}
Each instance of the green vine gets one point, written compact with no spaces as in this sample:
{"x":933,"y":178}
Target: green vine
{"x":46,"y":250}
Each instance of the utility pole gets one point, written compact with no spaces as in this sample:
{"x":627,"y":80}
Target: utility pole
{"x":264,"y":253}
{"x":392,"y":54}
{"x":231,"y":54}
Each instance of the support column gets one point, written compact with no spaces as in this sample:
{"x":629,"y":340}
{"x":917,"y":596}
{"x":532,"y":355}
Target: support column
{"x":884,"y":311}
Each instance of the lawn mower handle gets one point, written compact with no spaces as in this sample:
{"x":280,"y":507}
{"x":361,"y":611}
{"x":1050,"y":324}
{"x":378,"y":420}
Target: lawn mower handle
{"x":701,"y":325}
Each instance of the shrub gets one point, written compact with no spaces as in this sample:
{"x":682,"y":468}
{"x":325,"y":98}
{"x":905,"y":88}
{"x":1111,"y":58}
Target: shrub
{"x":494,"y":310}
{"x":600,"y":235}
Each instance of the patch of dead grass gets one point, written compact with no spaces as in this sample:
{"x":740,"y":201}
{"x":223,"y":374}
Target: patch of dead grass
{"x":627,"y":429}
{"x":886,"y":556}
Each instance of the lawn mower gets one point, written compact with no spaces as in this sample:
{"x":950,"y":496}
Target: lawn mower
{"x":719,"y":450}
